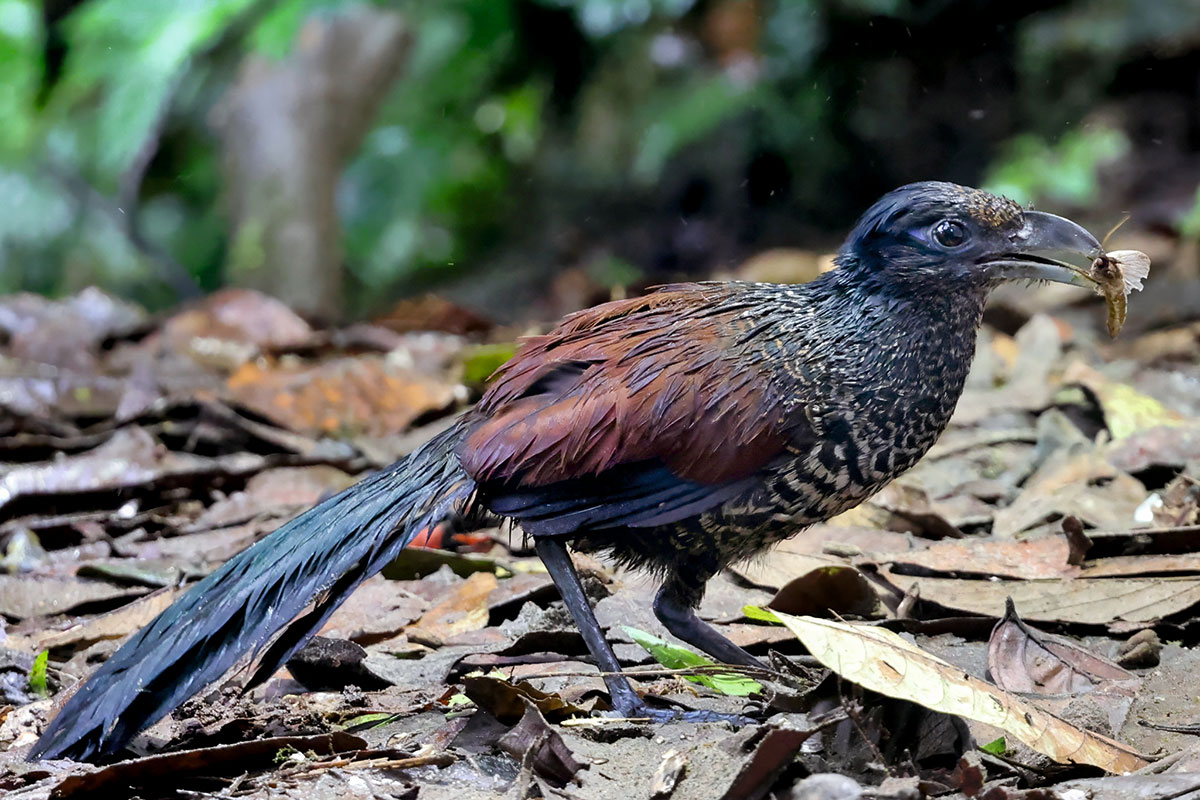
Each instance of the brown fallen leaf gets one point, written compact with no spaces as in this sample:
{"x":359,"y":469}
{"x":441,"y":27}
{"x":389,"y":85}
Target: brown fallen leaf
{"x":200,"y":549}
{"x":25,"y":596}
{"x":281,"y":492}
{"x":1087,"y":601}
{"x":433,"y":313}
{"x":115,"y":624}
{"x":1023,"y":659}
{"x":1129,"y":566}
{"x":132,"y":457}
{"x":1030,"y":380}
{"x":165,"y":770}
{"x":882,"y":661}
{"x":916,"y":511}
{"x":533,"y":743}
{"x":1154,"y":447}
{"x":1073,"y":481}
{"x":465,"y":608}
{"x":377,"y":610}
{"x":44,"y":391}
{"x":506,"y":700}
{"x":1035,"y":557}
{"x":231,"y":326}
{"x":840,"y":589}
{"x":65,"y":333}
{"x":820,"y":546}
{"x":370,"y":395}
{"x":773,"y":752}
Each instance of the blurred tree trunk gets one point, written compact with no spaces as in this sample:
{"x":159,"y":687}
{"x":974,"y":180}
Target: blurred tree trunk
{"x":286,"y":128}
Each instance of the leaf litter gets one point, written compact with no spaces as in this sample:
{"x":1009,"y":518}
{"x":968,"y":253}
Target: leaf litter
{"x":152,"y":449}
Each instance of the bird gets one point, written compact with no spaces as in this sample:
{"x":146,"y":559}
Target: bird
{"x":676,"y":432}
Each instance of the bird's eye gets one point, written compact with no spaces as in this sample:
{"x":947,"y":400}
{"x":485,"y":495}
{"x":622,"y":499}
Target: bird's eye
{"x":949,"y":233}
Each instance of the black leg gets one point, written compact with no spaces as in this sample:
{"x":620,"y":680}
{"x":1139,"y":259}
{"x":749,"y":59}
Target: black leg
{"x":674,"y":605}
{"x":625,"y":700}
{"x":558,"y":562}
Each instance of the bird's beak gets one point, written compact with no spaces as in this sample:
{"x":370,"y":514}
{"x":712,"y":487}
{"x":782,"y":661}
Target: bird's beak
{"x":1048,"y":248}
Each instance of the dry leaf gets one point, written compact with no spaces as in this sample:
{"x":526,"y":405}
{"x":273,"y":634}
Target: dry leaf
{"x":1152,"y":564}
{"x":1098,"y":601}
{"x":1040,"y":557}
{"x":507,"y":700}
{"x":1074,"y":481}
{"x":881,"y":661}
{"x":1022,"y":659}
{"x":372,"y":395}
{"x":65,"y":333}
{"x":113,"y":625}
{"x":26,"y":596}
{"x":432,"y":313}
{"x":820,"y":546}
{"x":840,"y":589}
{"x":464,"y":609}
{"x":534,"y":743}
{"x":132,"y":457}
{"x":225,"y":759}
{"x":232,"y":325}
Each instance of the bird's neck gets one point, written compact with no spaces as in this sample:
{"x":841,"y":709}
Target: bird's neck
{"x":895,"y":363}
{"x":921,"y":342}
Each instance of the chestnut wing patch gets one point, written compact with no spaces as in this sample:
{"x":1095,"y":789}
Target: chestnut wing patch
{"x":636,"y":413}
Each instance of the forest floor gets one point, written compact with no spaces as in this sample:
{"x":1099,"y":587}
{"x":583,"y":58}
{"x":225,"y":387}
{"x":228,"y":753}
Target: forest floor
{"x":139,"y":452}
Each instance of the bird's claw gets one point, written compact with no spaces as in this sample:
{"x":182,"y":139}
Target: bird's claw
{"x":665,"y":715}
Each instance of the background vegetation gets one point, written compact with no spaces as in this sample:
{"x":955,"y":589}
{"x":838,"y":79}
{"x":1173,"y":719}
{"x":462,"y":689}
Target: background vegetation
{"x":494,"y":146}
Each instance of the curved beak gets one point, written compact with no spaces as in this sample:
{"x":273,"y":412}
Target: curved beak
{"x":1048,"y":248}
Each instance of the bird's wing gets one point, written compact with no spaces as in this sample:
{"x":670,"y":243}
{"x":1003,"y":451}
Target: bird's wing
{"x":637,"y":412}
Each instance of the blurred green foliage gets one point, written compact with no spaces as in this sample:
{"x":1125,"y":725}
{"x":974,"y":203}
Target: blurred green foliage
{"x":510,"y":112}
{"x":1029,"y":167}
{"x":1189,"y":224}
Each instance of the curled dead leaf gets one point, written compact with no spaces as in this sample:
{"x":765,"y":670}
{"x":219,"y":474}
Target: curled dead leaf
{"x":881,"y":661}
{"x":1024,"y":659}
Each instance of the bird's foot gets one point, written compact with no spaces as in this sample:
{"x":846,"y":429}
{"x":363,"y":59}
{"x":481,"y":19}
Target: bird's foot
{"x":644,"y":713}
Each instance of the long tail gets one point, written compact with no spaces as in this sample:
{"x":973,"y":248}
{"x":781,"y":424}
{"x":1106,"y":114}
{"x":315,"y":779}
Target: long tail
{"x":315,"y":560}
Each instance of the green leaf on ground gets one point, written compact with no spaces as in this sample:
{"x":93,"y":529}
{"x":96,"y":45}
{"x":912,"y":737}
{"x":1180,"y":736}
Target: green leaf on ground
{"x":760,"y":614}
{"x":675,"y":657}
{"x":37,"y":675}
{"x":996,"y":747}
{"x":374,"y":719}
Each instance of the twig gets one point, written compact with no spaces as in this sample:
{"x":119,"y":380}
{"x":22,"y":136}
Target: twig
{"x":753,"y":672}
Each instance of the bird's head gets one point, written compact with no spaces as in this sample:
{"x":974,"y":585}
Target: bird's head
{"x":942,"y":237}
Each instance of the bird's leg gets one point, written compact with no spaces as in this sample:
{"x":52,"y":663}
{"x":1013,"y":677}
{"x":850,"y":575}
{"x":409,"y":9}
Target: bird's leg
{"x":558,"y":563}
{"x":625,"y":700}
{"x":675,"y":606}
